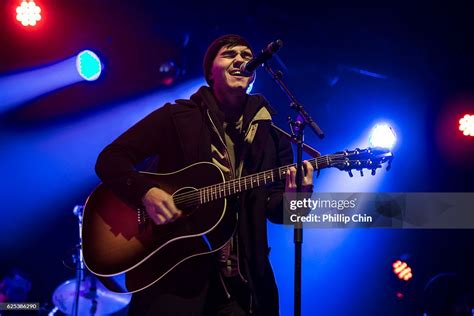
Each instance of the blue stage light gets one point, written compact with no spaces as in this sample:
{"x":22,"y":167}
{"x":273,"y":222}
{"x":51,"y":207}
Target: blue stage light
{"x":382,"y":135}
{"x":88,"y":65}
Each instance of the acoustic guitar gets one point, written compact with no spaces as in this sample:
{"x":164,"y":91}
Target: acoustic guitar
{"x":128,"y":252}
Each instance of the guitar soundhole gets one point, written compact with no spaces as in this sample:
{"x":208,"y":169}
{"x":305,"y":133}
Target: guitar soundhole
{"x":189,"y":211}
{"x":187,"y":200}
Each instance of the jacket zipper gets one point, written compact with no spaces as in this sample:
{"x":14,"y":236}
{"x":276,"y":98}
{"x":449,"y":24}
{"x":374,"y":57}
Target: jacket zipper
{"x":233,"y":177}
{"x":238,"y":257}
{"x":224,"y":286}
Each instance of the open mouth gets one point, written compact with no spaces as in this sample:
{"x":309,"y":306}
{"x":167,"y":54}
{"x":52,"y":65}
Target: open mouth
{"x":236,"y":73}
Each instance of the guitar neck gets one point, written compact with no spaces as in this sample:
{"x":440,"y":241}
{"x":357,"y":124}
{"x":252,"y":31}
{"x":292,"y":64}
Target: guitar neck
{"x":228,"y":188}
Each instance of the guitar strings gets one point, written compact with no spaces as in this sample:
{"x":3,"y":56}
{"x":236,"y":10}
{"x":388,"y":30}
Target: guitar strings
{"x":210,"y":193}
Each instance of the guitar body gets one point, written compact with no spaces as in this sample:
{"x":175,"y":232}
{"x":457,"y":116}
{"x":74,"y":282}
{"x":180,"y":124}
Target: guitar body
{"x":129,"y":255}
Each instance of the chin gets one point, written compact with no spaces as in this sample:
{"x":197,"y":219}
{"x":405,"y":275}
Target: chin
{"x":236,"y":87}
{"x":240,"y":89}
{"x":241,"y":85}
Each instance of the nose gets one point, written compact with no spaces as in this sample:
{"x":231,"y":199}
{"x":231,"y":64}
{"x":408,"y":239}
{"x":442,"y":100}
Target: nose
{"x":238,"y":61}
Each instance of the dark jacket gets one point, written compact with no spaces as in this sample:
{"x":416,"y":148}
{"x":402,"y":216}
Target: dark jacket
{"x":178,"y":135}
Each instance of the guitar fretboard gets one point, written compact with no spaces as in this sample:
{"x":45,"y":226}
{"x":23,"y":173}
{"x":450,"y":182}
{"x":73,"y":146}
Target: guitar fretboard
{"x":231,"y":187}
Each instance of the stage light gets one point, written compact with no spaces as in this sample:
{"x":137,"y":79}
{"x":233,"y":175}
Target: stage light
{"x":169,"y":71}
{"x":28,"y":13}
{"x":18,"y":88}
{"x":382,"y":135}
{"x":402,"y":270}
{"x":466,"y":125}
{"x":88,"y":65}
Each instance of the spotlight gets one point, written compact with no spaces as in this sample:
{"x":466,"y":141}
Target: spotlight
{"x":88,"y":65}
{"x":466,"y":125}
{"x":402,"y":270}
{"x":169,"y":72}
{"x":382,"y":135}
{"x":28,"y":13}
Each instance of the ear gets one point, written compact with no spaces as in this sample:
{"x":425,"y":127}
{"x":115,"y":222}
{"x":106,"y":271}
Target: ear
{"x":210,"y":77}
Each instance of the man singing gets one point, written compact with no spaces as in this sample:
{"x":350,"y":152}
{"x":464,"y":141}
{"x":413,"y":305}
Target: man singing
{"x":224,"y":125}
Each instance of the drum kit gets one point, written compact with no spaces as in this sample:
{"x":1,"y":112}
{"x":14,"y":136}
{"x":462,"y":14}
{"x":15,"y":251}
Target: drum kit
{"x":86,"y":295}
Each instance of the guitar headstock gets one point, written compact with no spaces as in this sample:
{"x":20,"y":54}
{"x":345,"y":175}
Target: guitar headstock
{"x":360,"y":159}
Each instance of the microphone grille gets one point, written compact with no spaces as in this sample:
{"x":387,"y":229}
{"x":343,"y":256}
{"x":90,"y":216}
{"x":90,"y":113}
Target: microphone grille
{"x":273,"y":47}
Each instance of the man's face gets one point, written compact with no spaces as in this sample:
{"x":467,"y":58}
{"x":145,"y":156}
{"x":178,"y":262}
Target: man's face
{"x":225,"y":73}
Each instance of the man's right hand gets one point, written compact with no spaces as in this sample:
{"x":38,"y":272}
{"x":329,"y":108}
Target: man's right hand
{"x":160,"y":206}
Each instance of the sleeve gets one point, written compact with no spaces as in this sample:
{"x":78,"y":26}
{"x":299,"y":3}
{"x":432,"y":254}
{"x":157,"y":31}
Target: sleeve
{"x":116,"y":163}
{"x":274,"y":200}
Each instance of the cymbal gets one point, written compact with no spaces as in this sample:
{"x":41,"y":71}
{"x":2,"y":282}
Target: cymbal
{"x":94,"y":298}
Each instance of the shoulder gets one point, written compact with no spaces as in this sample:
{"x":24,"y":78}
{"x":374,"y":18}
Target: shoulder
{"x":183,"y":105}
{"x":170,"y":109}
{"x":260,"y":101}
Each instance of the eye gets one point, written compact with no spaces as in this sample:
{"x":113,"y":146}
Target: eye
{"x":246,"y":55}
{"x":228,"y":54}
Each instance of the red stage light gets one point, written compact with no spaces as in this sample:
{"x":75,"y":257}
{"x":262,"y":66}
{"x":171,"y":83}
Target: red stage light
{"x":466,"y":125}
{"x":28,"y":13}
{"x":402,"y":270}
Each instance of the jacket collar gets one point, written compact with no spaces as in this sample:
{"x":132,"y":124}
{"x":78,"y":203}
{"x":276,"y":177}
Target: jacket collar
{"x":205,"y":98}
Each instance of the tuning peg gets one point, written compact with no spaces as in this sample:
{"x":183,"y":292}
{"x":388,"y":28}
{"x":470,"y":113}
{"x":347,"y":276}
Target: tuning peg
{"x":389,"y":165}
{"x":361,"y":173}
{"x":373,"y":172}
{"x":350,"y":173}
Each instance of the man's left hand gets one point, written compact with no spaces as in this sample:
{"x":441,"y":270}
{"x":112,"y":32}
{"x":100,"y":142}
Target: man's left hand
{"x":307,"y":178}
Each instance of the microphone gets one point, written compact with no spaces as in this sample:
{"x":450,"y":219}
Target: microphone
{"x":266,"y":54}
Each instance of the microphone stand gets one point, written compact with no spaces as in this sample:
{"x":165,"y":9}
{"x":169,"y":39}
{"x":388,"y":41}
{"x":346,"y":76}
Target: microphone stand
{"x":78,"y":211}
{"x":297,"y":129}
